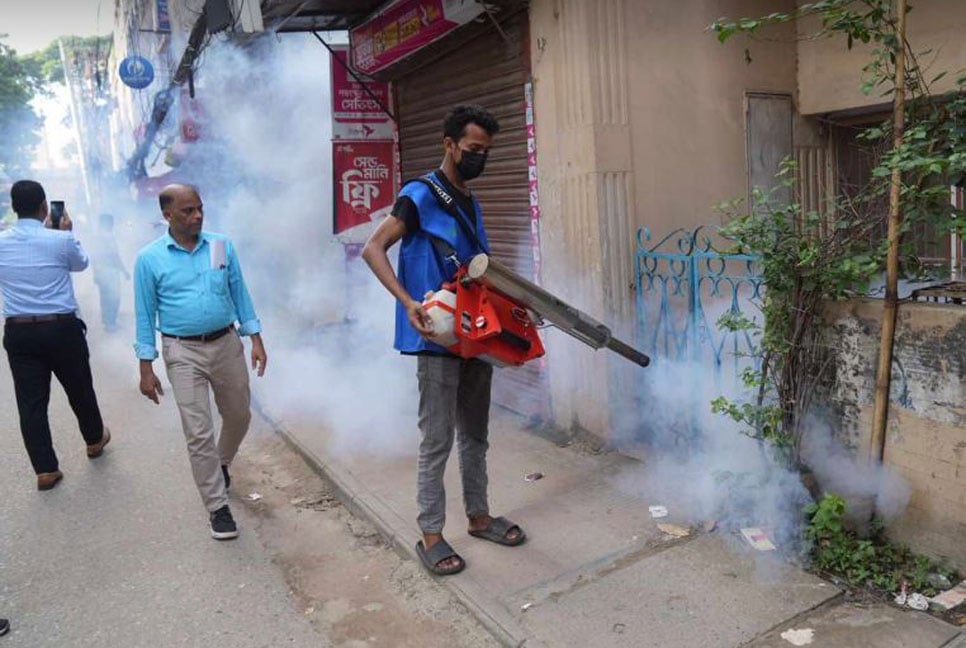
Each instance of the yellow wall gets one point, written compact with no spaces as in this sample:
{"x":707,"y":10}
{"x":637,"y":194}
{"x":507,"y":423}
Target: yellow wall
{"x":687,"y":105}
{"x":640,"y":122}
{"x":830,"y":74}
{"x":926,"y":436}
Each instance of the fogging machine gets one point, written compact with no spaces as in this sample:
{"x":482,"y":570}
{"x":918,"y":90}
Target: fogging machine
{"x":491,"y":313}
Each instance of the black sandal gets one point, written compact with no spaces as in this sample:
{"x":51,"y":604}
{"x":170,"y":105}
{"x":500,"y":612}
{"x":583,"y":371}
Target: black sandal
{"x":497,"y":532}
{"x":438,"y":553}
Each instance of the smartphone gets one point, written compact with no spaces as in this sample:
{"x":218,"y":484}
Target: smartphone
{"x":56,"y":213}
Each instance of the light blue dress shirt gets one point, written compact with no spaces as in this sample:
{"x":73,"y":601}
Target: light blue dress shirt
{"x":179,"y":292}
{"x":35,"y":267}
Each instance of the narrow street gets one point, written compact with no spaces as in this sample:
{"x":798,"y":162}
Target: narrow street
{"x":119,"y":554}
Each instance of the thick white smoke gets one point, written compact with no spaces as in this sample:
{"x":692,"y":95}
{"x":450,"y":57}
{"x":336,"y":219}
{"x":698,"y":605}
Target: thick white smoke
{"x":267,"y":125}
{"x":267,"y":110}
{"x":263,"y":168}
{"x":705,"y":468}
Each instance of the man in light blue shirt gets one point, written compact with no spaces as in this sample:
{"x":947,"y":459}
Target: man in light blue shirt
{"x":42,"y":333}
{"x":188,"y":285}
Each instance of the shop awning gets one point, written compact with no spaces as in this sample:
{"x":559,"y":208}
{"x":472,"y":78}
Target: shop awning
{"x":316,"y":15}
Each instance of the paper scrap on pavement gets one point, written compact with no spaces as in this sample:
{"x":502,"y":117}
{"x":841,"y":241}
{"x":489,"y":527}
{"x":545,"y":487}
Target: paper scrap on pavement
{"x":674,"y":530}
{"x":951,"y":598}
{"x":254,"y":497}
{"x":758,"y":539}
{"x":801,"y":637}
{"x":532,"y":477}
{"x":918,"y":602}
{"x":657,"y":511}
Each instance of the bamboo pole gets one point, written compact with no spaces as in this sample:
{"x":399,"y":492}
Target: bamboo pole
{"x":890,"y":306}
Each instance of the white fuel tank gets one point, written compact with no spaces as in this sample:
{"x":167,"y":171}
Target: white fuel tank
{"x":441,"y":309}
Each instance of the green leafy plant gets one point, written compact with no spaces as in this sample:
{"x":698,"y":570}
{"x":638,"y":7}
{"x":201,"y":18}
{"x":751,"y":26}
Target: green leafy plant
{"x":800,"y":268}
{"x":873,"y":562}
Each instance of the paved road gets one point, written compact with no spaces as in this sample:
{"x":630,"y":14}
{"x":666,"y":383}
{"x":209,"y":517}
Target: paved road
{"x":119,"y":553}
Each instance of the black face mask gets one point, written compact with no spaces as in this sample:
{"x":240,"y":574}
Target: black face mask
{"x":471,"y":164}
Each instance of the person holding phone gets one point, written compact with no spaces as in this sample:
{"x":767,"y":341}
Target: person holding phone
{"x":42,"y":333}
{"x":188,"y":284}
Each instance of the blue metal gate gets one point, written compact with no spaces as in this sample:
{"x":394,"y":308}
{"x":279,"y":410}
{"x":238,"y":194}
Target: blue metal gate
{"x":685,"y":282}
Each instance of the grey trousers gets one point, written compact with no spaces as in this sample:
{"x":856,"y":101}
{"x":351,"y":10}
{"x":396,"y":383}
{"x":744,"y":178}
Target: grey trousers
{"x":454,"y":401}
{"x":193,"y":367}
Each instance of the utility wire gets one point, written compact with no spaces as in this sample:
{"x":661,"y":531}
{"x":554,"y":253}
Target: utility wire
{"x":164,"y":99}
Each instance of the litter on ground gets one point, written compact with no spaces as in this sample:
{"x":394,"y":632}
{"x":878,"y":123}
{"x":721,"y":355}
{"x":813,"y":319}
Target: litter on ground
{"x":801,"y":637}
{"x":918,"y":602}
{"x":532,"y":477}
{"x":674,"y":530}
{"x":758,"y":539}
{"x":254,"y":497}
{"x":951,"y":598}
{"x":657,"y":511}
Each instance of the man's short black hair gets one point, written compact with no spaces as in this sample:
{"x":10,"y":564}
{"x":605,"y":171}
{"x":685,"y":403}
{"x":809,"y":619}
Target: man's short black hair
{"x":454,"y":125}
{"x":26,"y":197}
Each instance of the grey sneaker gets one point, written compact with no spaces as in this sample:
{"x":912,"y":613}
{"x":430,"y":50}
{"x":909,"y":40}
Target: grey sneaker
{"x":223,"y":524}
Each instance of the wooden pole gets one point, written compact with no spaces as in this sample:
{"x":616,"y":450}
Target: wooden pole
{"x":890,"y":306}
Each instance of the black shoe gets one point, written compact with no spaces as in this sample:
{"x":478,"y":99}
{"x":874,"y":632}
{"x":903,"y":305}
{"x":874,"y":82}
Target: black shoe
{"x":223,"y":524}
{"x":224,"y":471}
{"x":4,"y":627}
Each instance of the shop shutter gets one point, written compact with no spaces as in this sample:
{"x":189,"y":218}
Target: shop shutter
{"x":491,"y":70}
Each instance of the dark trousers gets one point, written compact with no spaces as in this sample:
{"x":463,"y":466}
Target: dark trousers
{"x":35,"y":351}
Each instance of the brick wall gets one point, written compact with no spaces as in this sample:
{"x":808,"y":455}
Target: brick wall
{"x":926,"y":436}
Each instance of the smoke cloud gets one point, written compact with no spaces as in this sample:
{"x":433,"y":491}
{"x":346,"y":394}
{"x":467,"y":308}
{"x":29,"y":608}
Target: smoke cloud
{"x":328,"y":324}
{"x":706,"y":468}
{"x":263,"y":168}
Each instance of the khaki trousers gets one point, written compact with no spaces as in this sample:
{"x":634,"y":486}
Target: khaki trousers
{"x":192,"y":367}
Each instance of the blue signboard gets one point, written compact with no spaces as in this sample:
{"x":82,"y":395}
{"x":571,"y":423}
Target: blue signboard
{"x":136,"y":72}
{"x":164,"y":20}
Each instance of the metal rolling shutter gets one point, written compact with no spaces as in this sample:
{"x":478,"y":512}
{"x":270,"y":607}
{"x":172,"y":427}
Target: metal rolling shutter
{"x":489,"y":71}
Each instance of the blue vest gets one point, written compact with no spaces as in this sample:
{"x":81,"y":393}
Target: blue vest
{"x":421,"y":267}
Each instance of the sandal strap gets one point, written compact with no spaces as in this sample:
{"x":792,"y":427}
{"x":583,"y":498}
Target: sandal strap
{"x":440,"y":552}
{"x":502,"y":526}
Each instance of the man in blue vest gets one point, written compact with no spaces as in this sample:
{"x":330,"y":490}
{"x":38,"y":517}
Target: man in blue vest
{"x":454,"y":393}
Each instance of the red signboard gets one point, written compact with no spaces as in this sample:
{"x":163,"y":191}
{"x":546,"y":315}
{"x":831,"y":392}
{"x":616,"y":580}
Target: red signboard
{"x":404,"y":27}
{"x":356,"y":113}
{"x":364,"y":185}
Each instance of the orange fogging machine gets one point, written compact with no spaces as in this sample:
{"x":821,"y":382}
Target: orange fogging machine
{"x":491,"y":313}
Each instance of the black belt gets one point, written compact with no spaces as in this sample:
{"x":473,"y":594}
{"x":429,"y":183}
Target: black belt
{"x":36,"y":319}
{"x":204,"y":337}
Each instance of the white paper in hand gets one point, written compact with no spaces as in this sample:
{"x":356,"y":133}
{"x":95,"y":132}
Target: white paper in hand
{"x":219,"y":258}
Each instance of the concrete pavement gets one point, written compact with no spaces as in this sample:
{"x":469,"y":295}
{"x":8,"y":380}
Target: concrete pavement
{"x":119,"y":553}
{"x":596,"y":570}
